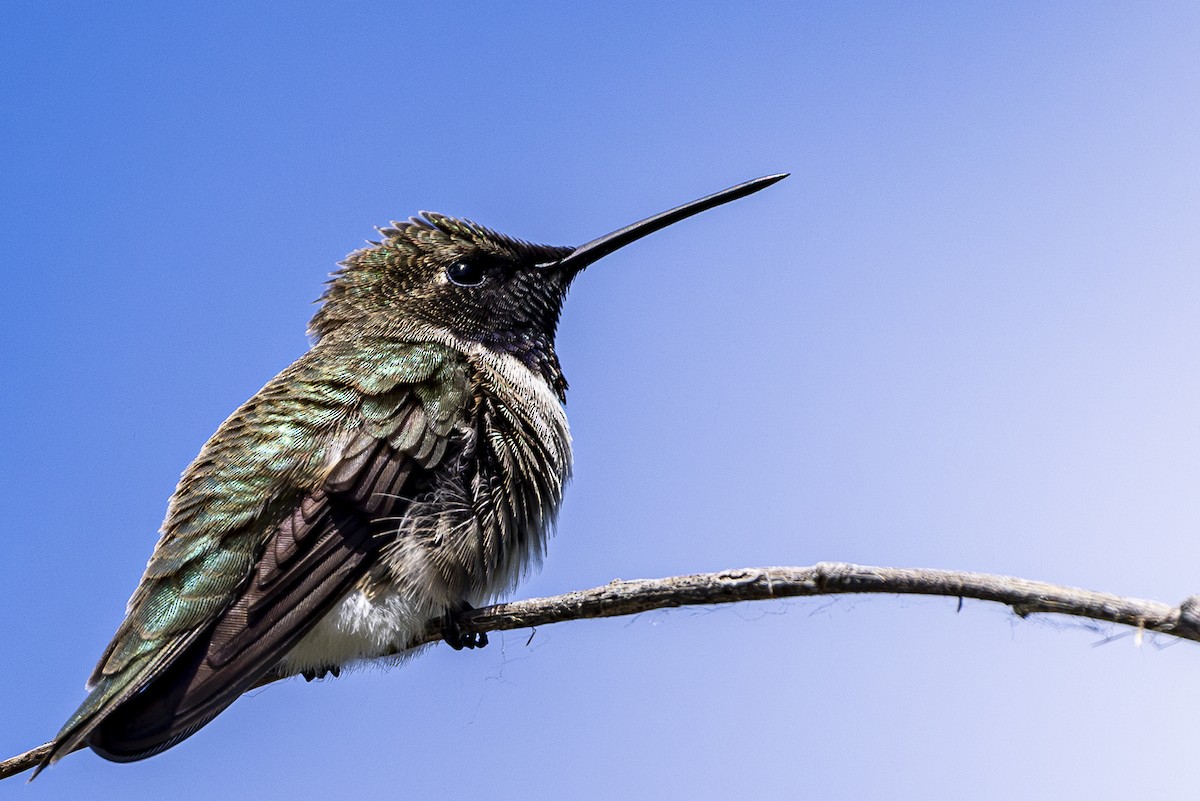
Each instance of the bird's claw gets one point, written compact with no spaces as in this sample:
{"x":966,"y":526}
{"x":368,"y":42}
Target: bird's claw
{"x":453,"y":634}
{"x":332,"y":670}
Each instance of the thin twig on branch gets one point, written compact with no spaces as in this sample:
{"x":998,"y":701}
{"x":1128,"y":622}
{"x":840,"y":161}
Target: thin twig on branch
{"x":618,"y":598}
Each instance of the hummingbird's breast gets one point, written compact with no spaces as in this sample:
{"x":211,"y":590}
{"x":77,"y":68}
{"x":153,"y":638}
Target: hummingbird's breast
{"x":479,"y":524}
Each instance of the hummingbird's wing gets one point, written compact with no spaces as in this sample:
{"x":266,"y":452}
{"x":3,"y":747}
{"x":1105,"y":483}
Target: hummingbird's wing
{"x":271,"y":525}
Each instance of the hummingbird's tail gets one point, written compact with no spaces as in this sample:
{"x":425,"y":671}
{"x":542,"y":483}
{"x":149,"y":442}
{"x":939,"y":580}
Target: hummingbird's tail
{"x":107,"y":695}
{"x":172,"y":691}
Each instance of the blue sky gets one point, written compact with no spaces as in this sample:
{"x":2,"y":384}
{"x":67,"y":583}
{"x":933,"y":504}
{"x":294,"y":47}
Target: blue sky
{"x":963,"y":334}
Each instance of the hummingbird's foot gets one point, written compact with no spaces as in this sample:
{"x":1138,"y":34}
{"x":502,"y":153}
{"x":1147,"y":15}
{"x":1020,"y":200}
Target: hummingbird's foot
{"x":453,"y":634}
{"x":332,"y":670}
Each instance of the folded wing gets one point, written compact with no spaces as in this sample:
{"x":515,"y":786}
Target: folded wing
{"x":273,"y":524}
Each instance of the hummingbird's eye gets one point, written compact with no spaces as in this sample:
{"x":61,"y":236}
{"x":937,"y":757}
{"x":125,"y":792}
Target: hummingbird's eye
{"x":466,"y":273}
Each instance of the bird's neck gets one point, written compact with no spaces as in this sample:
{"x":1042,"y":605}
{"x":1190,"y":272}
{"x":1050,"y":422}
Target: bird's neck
{"x":534,"y":351}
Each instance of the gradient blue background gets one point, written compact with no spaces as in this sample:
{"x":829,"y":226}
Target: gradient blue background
{"x":963,"y":334}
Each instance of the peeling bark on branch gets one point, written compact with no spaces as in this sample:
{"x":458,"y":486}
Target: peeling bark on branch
{"x":618,"y":598}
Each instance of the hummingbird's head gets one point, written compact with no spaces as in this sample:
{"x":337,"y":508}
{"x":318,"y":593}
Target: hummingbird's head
{"x":451,"y":274}
{"x":441,"y":274}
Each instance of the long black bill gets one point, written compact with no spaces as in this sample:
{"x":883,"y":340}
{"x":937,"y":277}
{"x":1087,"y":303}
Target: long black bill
{"x":597,"y":249}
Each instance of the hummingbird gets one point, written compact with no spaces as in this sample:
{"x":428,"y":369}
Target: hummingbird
{"x":409,"y":466}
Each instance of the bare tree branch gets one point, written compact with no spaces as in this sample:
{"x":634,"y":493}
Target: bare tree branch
{"x":618,"y":598}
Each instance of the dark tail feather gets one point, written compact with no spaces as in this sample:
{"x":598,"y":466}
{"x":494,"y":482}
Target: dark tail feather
{"x":107,"y":695}
{"x":247,"y":640}
{"x":165,"y":713}
{"x":152,"y":707}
